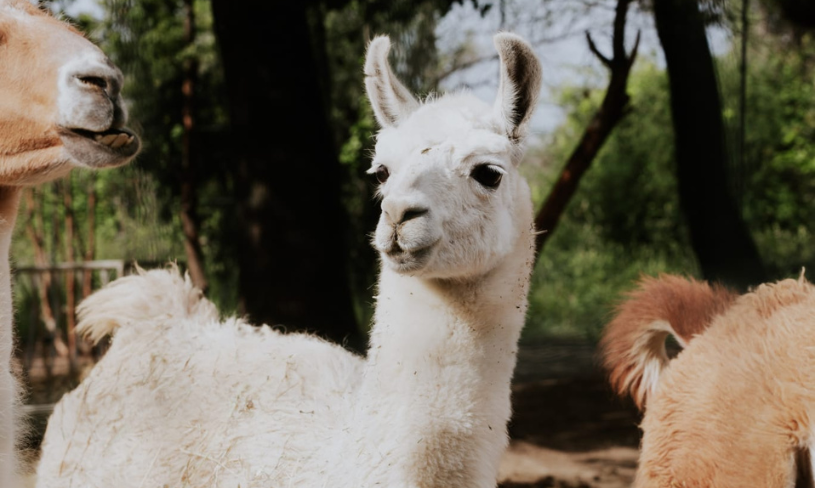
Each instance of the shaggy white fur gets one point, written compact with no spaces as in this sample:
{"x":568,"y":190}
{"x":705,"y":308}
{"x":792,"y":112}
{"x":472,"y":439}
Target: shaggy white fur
{"x":184,"y":399}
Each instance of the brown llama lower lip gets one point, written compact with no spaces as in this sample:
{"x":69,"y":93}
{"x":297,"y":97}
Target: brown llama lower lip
{"x":110,"y":148}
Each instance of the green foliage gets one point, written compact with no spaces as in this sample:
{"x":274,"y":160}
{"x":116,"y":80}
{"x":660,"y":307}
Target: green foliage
{"x":625,"y":219}
{"x":146,"y":39}
{"x":128,"y":224}
{"x":127,"y":227}
{"x":774,"y":179}
{"x":623,"y":222}
{"x":581,"y":276}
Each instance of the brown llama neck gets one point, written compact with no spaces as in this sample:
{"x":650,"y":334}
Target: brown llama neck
{"x":9,"y":201}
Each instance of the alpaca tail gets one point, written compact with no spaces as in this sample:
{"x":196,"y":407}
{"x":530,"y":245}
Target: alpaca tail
{"x":142,"y":297}
{"x":633,"y":344}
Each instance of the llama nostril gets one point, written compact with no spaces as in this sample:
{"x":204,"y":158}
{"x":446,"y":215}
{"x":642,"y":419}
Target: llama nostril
{"x":94,"y":80}
{"x":412,"y":213}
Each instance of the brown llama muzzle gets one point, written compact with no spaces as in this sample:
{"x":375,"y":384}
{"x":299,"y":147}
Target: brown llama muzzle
{"x":60,"y":100}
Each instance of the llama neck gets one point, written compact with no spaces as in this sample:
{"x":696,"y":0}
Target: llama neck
{"x":436,"y":390}
{"x":9,"y":202}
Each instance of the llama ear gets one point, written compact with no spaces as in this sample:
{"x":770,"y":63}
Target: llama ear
{"x":519,"y":86}
{"x":391,"y":101}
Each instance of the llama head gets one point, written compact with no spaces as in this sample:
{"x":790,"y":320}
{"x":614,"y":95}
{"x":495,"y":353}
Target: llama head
{"x":453,"y":202}
{"x":60,"y":102}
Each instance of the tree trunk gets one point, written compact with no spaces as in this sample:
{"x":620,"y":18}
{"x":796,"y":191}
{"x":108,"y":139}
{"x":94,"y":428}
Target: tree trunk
{"x":70,"y":282}
{"x":189,"y":198}
{"x":602,"y":123}
{"x":800,"y":13}
{"x":723,"y":246}
{"x":291,"y":248}
{"x":35,"y":228}
{"x":90,"y":249}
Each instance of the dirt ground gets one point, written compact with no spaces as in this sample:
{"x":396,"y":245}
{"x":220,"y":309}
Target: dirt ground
{"x":570,"y":433}
{"x":567,"y":430}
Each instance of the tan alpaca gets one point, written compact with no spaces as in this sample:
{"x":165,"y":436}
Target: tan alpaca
{"x":60,"y":108}
{"x":733,"y":408}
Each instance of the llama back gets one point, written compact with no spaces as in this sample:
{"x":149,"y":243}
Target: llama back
{"x":200,"y":402}
{"x":144,"y":297}
{"x":734,"y":409}
{"x":633,"y":345}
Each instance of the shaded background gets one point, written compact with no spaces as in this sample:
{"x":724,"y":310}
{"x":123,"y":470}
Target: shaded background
{"x":692,"y":153}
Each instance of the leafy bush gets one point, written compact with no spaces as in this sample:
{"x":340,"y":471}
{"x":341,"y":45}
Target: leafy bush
{"x":625,"y":219}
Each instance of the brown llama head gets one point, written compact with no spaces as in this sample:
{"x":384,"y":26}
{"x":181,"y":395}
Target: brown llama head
{"x":60,"y":100}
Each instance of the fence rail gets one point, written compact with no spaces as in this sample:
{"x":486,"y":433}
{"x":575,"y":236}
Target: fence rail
{"x":48,"y":295}
{"x":111,"y":264}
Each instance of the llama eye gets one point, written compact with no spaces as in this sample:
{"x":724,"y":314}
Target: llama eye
{"x":487,"y":176}
{"x":381,"y":174}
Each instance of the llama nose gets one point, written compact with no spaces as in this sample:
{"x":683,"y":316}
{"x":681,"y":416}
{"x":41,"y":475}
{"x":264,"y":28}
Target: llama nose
{"x":90,"y":96}
{"x":398,"y":212}
{"x":411,"y":214}
{"x":102,"y":76}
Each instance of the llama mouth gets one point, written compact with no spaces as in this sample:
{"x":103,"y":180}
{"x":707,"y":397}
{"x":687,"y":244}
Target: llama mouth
{"x":108,"y":148}
{"x":112,"y":147}
{"x":408,"y":261}
{"x":115,"y":139}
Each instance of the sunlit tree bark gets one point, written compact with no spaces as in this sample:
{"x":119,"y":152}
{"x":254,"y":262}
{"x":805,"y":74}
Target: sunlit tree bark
{"x":190,"y":222}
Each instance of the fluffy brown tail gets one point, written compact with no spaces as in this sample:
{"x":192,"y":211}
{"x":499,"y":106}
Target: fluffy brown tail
{"x":633,"y":345}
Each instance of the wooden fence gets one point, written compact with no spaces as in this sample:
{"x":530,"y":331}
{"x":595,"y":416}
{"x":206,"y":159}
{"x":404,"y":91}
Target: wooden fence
{"x":46,"y":299}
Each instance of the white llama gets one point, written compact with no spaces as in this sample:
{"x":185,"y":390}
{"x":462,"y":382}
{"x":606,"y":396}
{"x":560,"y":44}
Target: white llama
{"x":183,"y":399}
{"x":60,"y":108}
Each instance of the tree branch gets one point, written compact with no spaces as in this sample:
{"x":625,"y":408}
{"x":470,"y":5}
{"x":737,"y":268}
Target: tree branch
{"x":611,"y":111}
{"x":634,"y":50}
{"x":618,"y":41}
{"x":464,"y":65}
{"x":593,"y":49}
{"x":455,"y":68}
